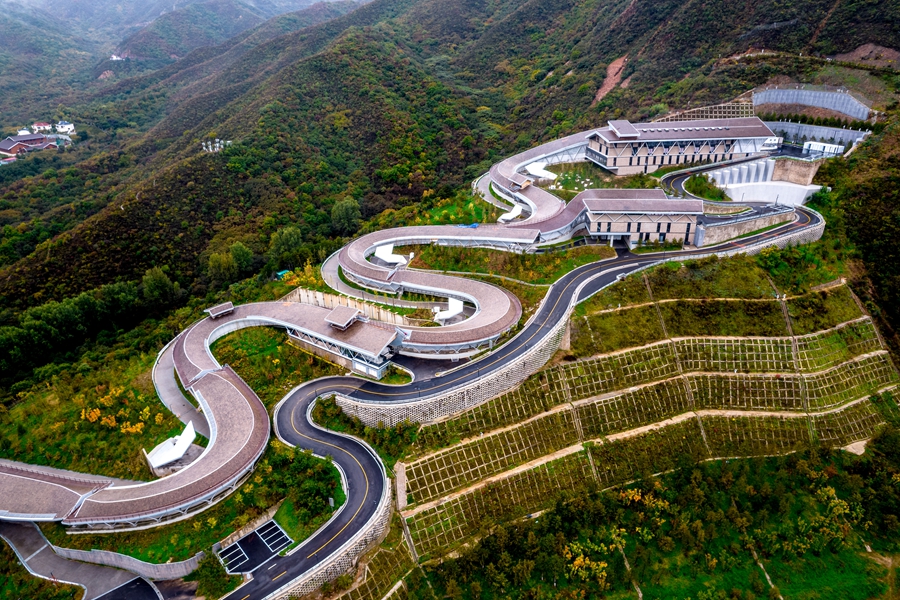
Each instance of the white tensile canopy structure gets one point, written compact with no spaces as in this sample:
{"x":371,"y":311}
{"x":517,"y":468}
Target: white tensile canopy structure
{"x":173,"y":448}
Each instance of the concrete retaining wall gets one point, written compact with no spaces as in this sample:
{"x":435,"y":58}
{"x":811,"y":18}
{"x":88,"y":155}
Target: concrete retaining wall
{"x":173,"y":570}
{"x":436,"y":407}
{"x":832,"y":135}
{"x":837,"y":101}
{"x":770,"y":191}
{"x":750,"y":172}
{"x":800,"y":172}
{"x":768,"y":180}
{"x":716,"y":234}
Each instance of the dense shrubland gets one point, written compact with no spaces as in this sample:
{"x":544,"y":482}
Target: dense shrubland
{"x":691,"y":533}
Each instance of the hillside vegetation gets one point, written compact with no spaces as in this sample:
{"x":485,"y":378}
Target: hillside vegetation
{"x":379,"y":104}
{"x":176,"y":33}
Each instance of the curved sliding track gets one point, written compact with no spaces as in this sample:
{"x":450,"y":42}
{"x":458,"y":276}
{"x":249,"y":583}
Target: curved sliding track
{"x":238,"y":422}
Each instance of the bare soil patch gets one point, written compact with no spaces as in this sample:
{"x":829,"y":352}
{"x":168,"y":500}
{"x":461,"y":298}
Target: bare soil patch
{"x":613,"y":76}
{"x":872,"y":55}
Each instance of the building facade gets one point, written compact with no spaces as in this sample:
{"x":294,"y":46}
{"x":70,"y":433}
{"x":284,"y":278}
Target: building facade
{"x":17,"y":144}
{"x":640,"y":216}
{"x":625,"y":148}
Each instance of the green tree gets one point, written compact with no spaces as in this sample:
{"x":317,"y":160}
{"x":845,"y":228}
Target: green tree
{"x":222,"y":268}
{"x":158,"y":288}
{"x":345,"y":216}
{"x":212,"y":580}
{"x":243,"y":258}
{"x":285,"y":247}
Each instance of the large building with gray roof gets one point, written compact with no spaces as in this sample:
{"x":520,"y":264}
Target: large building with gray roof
{"x":626,"y":148}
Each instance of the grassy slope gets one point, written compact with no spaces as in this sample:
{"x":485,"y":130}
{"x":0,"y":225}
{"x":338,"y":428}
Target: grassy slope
{"x":52,"y":424}
{"x":16,"y":582}
{"x":269,"y":363}
{"x":530,"y":268}
{"x":629,"y":321}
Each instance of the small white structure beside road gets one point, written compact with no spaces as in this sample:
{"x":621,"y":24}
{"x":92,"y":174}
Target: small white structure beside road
{"x":173,"y":448}
{"x":455,"y":307}
{"x":386,"y":253}
{"x":538,"y":169}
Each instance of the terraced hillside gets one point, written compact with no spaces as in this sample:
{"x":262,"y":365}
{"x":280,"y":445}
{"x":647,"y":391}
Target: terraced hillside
{"x":616,"y":417}
{"x":614,"y":408}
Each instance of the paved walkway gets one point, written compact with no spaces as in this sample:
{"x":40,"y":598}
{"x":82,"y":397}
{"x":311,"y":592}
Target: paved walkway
{"x":171,"y":395}
{"x":38,"y":557}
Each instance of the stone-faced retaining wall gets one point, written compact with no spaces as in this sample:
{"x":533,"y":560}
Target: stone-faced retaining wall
{"x":344,"y":558}
{"x":796,"y":171}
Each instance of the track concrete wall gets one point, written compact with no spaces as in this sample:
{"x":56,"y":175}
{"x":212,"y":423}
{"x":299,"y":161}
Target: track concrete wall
{"x":716,"y":234}
{"x":371,"y":311}
{"x":173,"y":570}
{"x":837,"y":101}
{"x":833,"y":135}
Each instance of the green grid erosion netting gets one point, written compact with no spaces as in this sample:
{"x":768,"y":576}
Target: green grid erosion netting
{"x":444,"y":525}
{"x":851,"y":424}
{"x":633,"y":408}
{"x":618,"y":461}
{"x":659,"y":450}
{"x":720,"y":375}
{"x":746,"y":355}
{"x":755,"y":436}
{"x":848,"y":381}
{"x":465,"y":464}
{"x":820,"y":351}
{"x":747,"y":391}
{"x":386,"y":567}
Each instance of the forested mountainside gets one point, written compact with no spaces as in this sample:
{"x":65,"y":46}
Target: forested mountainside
{"x":130,"y":15}
{"x":38,"y":48}
{"x":176,"y":33}
{"x":59,"y":53}
{"x":393,"y":103}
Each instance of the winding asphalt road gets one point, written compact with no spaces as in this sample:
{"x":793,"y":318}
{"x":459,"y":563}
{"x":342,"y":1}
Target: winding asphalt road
{"x":364,"y":472}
